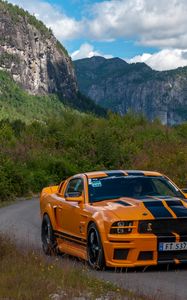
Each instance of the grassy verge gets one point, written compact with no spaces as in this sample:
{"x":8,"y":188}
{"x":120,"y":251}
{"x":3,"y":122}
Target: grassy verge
{"x":29,"y":276}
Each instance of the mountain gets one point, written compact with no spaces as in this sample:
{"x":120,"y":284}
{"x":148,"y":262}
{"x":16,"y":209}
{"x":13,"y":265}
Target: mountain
{"x":122,"y":87}
{"x":32,"y":54}
{"x":36,"y":60}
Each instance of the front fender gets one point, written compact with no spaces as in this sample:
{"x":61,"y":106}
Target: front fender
{"x":103,"y":222}
{"x":49,"y":210}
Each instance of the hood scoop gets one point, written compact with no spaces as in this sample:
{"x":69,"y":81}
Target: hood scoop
{"x":123,"y":203}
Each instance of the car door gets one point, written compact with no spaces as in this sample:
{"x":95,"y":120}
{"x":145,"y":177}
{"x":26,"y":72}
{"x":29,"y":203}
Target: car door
{"x":71,"y":211}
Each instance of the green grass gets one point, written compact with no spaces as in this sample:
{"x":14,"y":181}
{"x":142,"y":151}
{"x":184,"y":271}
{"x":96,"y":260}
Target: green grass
{"x":26,"y":275}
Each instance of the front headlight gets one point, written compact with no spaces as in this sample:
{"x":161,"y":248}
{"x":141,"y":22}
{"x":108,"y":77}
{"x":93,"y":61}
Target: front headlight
{"x":121,"y":227}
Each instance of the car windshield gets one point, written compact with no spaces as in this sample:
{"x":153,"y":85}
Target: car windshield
{"x":138,"y":187}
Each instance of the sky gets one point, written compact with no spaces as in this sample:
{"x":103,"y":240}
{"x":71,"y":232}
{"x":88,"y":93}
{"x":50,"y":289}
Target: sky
{"x":150,"y":31}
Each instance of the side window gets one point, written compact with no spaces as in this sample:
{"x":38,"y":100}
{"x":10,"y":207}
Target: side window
{"x":75,"y":187}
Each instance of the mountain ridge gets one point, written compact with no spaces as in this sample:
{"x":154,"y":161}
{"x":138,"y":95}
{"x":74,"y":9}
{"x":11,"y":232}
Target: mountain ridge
{"x":122,"y":87}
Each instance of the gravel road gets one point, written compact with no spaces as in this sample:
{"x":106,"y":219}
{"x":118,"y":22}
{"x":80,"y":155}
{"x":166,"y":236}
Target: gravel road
{"x":22,"y":221}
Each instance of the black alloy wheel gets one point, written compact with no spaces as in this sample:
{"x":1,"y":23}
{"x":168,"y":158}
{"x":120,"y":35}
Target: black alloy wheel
{"x":94,"y":249}
{"x":48,"y":239}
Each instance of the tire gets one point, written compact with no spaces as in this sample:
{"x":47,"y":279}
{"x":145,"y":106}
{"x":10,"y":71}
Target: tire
{"x":49,"y":244}
{"x":95,"y":251}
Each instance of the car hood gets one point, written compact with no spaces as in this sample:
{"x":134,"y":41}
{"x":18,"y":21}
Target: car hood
{"x":144,"y":208}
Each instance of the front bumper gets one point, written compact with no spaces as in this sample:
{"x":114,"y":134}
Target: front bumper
{"x":136,"y":250}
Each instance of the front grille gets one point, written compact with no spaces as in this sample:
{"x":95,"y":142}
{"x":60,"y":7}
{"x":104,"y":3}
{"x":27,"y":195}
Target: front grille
{"x":163,"y":227}
{"x":171,"y":255}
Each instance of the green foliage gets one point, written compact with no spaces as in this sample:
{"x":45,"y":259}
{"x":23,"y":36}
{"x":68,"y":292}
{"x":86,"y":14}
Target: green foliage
{"x":40,"y":154}
{"x":17,"y":104}
{"x":85,"y":104}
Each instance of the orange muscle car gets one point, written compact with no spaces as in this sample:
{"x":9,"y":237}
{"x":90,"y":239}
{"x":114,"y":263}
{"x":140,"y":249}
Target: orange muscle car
{"x":116,"y":219}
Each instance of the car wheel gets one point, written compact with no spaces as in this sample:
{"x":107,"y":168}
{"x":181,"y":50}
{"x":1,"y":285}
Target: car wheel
{"x":47,"y":235}
{"x":94,"y":248}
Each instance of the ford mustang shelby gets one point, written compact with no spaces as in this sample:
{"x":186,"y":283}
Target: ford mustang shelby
{"x":116,"y":218}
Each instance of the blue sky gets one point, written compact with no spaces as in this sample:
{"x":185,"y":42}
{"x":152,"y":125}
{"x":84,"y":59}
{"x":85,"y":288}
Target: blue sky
{"x":149,"y":31}
{"x":117,"y":48}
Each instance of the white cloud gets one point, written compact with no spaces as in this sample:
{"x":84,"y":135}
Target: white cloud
{"x":87,"y":50}
{"x":149,"y":22}
{"x":166,"y":59}
{"x":139,"y":58}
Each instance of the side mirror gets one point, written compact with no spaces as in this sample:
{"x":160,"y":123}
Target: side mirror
{"x":75,"y":197}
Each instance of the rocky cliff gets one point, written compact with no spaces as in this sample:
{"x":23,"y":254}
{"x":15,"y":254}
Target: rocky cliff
{"x":31,"y":53}
{"x":124,"y":87}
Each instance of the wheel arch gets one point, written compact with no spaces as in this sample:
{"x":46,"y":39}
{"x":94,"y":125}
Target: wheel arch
{"x":100,"y":227}
{"x":99,"y":224}
{"x":49,"y":211}
{"x":93,"y":222}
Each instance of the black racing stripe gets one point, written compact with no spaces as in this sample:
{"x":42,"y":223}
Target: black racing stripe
{"x":115,"y":173}
{"x":123,"y":203}
{"x":177,"y":207}
{"x":71,"y":238}
{"x":157,"y":209}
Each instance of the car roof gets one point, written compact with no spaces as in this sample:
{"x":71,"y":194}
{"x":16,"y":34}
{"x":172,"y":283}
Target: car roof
{"x":118,"y":173}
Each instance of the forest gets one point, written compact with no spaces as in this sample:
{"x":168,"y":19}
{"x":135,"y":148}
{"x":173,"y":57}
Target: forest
{"x":37,"y":154}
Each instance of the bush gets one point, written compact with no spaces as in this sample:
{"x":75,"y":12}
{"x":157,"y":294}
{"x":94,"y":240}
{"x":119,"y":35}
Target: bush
{"x":37,"y":155}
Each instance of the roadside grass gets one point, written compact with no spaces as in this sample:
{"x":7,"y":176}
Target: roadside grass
{"x":6,"y":203}
{"x":27,"y":275}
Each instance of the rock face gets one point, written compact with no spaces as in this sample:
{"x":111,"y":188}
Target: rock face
{"x":30,"y":52}
{"x":124,"y":87}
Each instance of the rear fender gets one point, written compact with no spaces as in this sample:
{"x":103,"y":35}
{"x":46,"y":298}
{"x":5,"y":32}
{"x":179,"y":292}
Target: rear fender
{"x":49,"y":190}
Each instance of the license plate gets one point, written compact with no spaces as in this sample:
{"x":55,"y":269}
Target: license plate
{"x":173,"y":246}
